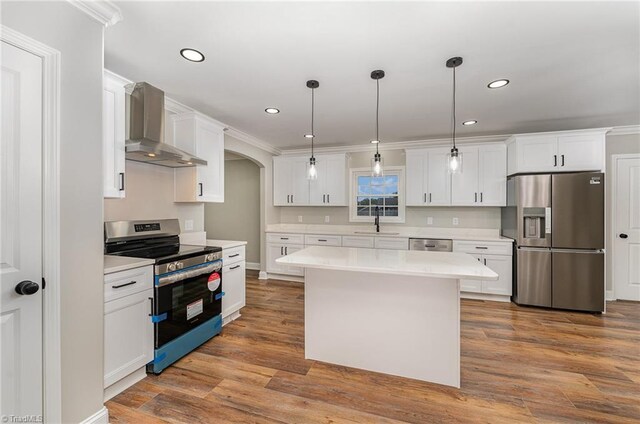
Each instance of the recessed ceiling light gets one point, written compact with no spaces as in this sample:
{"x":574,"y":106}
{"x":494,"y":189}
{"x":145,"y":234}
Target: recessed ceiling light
{"x":375,"y":141}
{"x":498,"y":83}
{"x":471,"y":122}
{"x":272,"y":110}
{"x":192,"y":55}
{"x":308,"y":136}
{"x":151,"y":155}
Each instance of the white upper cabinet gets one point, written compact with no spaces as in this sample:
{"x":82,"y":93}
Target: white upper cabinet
{"x":428,"y":180}
{"x":113,"y":135}
{"x":291,"y":187}
{"x":483,"y":179}
{"x":565,"y":151}
{"x":330,"y":189}
{"x":204,"y":138}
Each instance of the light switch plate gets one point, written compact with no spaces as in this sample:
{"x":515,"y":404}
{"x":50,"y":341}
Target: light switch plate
{"x":188,"y":225}
{"x":455,"y":221}
{"x":327,"y":219}
{"x":299,"y":218}
{"x":429,"y":220}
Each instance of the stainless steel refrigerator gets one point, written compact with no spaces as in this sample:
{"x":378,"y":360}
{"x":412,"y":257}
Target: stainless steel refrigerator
{"x":557,"y":222}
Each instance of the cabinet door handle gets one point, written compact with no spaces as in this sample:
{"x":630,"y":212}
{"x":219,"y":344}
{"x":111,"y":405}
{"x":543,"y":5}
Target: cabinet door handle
{"x":424,"y":197}
{"x":562,"y":160}
{"x":284,"y":238}
{"x":233,"y":256}
{"x":328,"y":198}
{"x":485,"y":261}
{"x":124,"y":285}
{"x":322,"y":240}
{"x":429,"y":197}
{"x":286,"y":250}
{"x":201,"y":189}
{"x":292,"y":198}
{"x":152,"y":308}
{"x":555,"y":160}
{"x":482,"y":247}
{"x":281,"y":250}
{"x":475,"y":197}
{"x":121,"y":181}
{"x":234,"y":267}
{"x":480,"y":197}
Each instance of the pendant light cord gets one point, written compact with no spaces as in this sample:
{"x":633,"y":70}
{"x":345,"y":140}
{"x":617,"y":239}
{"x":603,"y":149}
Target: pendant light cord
{"x":313,"y":134}
{"x":377,"y":112}
{"x":454,"y":107}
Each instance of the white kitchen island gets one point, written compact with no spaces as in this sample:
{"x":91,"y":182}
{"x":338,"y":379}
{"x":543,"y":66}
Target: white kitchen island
{"x":391,"y":311}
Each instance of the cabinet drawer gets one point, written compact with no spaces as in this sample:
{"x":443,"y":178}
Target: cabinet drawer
{"x":482,"y":248}
{"x":233,"y":255}
{"x":394,"y":243}
{"x":313,"y":240}
{"x":124,"y":283}
{"x":358,"y":241}
{"x":285,"y":238}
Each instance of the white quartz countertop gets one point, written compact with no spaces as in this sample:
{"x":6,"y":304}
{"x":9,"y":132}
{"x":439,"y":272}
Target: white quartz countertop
{"x":470,"y":234}
{"x":122,"y":263}
{"x":393,"y":262}
{"x":226,"y":244}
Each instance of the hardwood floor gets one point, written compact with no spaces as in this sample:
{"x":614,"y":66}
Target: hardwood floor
{"x":518,"y":365}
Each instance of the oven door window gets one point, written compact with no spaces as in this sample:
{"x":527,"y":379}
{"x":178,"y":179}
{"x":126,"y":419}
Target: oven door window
{"x":187,"y":303}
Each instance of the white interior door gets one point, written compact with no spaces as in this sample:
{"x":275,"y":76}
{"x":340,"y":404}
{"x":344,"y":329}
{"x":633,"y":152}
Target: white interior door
{"x":21,"y":233}
{"x":626,"y":256}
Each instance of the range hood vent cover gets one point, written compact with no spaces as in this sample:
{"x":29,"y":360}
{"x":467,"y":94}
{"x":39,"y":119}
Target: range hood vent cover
{"x":146,"y":131}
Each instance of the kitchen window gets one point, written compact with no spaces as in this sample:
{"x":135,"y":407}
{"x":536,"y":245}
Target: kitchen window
{"x":386,"y":192}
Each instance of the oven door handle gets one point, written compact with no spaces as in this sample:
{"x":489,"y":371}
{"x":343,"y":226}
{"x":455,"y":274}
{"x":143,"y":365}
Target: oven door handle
{"x":176,"y":277}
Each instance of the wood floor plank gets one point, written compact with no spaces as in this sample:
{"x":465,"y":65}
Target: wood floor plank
{"x":518,"y":364}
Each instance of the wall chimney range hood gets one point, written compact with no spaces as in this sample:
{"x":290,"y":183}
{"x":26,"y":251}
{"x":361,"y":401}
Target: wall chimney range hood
{"x":146,"y":131}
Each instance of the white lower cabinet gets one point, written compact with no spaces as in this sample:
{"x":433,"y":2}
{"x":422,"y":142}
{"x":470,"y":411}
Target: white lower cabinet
{"x":279,"y":245}
{"x":128,"y":329}
{"x":495,"y":255}
{"x":233,"y":284}
{"x":392,"y":243}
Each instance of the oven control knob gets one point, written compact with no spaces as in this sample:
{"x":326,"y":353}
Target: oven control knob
{"x":171,"y":267}
{"x":209,"y":257}
{"x":180,"y":265}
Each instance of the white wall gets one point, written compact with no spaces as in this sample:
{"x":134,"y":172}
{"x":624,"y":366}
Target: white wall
{"x":615,"y":145}
{"x":238,"y":218}
{"x":79,"y":39}
{"x":469,"y":217}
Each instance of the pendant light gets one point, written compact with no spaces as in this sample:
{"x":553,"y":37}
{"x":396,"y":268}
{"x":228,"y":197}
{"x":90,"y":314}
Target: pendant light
{"x":376,"y":162}
{"x":312,"y":171}
{"x":454,"y":158}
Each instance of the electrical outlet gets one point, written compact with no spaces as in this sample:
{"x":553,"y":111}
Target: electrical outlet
{"x":299,"y":218}
{"x":188,"y":225}
{"x":327,"y":219}
{"x":429,"y":220}
{"x":455,"y":221}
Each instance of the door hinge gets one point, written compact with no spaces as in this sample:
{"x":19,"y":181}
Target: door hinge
{"x":44,"y":283}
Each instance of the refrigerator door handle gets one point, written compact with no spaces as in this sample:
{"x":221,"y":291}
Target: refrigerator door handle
{"x":592,"y":252}
{"x":547,"y":220}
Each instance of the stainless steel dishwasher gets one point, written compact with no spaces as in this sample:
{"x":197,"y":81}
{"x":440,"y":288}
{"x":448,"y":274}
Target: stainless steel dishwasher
{"x":435,"y":245}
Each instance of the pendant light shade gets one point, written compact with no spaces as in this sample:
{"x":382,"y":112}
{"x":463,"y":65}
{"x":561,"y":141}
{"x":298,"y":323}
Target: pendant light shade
{"x":377,"y":165}
{"x":454,"y":158}
{"x":312,"y":170}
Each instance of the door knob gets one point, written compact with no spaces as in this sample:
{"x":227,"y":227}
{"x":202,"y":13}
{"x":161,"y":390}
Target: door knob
{"x":623,"y":235}
{"x":27,"y":287}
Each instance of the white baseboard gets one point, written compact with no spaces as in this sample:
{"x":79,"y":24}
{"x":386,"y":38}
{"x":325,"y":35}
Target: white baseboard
{"x":231,"y":317}
{"x":100,"y":417}
{"x":263,"y":275}
{"x":254,"y":266}
{"x":284,"y":277}
{"x":482,"y":296}
{"x":124,"y":383}
{"x":610,"y":295}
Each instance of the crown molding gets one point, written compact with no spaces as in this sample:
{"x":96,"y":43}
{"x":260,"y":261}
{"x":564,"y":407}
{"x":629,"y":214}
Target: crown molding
{"x":103,"y":11}
{"x":255,"y":142}
{"x":625,"y":130}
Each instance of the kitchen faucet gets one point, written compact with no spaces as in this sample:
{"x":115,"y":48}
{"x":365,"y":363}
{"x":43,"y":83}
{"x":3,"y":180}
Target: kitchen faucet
{"x":377,"y":220}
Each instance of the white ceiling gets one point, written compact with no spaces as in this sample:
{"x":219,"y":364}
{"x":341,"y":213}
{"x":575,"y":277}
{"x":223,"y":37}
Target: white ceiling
{"x":571,"y":65}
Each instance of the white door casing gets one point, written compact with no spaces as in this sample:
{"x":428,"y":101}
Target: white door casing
{"x":626,"y":221}
{"x":21,"y":229}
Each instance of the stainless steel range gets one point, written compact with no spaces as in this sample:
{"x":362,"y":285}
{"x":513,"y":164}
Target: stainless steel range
{"x":187,"y":285}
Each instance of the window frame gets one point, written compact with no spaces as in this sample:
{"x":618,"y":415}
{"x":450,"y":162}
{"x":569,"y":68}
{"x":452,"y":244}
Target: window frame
{"x":354,"y":173}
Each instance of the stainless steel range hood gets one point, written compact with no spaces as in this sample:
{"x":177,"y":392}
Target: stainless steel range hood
{"x":146,"y":131}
